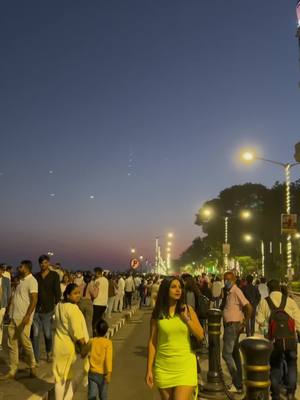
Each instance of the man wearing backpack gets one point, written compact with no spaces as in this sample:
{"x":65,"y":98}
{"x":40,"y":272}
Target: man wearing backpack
{"x":282,"y":315}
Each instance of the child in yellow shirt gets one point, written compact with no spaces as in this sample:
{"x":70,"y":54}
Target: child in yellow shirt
{"x":100,"y":359}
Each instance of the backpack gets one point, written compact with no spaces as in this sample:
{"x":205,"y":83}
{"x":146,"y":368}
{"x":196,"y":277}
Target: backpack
{"x":202,"y":304}
{"x":281,"y":326}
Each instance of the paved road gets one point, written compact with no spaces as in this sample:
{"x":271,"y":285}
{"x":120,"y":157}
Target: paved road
{"x":129,"y":368}
{"x":27,"y":388}
{"x":130,"y":356}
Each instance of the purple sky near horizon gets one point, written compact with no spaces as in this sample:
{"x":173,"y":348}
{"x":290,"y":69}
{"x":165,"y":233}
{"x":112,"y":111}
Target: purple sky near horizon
{"x":142,"y":105}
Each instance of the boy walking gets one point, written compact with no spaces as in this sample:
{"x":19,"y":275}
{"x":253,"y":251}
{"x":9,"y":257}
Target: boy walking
{"x":100,"y":363}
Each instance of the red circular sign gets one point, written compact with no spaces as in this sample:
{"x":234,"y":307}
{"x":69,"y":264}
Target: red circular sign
{"x":134,"y":263}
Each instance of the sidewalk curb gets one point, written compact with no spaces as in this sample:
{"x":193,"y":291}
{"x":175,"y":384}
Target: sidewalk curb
{"x":50,"y":394}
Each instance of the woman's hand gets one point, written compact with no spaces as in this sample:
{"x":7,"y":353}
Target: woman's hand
{"x":149,"y":379}
{"x":185,"y":314}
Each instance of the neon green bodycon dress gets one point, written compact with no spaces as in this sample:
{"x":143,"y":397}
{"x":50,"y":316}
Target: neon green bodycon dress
{"x":175,"y":363}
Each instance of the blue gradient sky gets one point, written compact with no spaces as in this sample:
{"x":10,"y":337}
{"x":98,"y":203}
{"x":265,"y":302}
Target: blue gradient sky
{"x":176,"y":86}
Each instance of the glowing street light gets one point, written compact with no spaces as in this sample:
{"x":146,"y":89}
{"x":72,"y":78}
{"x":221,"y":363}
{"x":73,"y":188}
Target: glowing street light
{"x":170,"y":235}
{"x":246,"y":214}
{"x":297,"y":235}
{"x":248,"y":238}
{"x":132,"y":250}
{"x":207,"y":212}
{"x":249,"y":156}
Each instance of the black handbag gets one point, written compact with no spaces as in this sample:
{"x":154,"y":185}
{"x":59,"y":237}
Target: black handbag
{"x":196,"y":345}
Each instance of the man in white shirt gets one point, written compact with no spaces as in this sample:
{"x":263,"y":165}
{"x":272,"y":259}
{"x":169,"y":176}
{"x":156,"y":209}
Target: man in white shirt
{"x":279,"y":355}
{"x":216,"y":290}
{"x":100,"y":302}
{"x":137,"y":281}
{"x":118,"y":306}
{"x":263,"y":288}
{"x":21,"y":311}
{"x":129,"y":289}
{"x":79,"y":278}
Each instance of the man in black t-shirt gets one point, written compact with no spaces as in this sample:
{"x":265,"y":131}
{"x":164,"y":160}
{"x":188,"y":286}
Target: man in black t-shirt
{"x":48,"y":296}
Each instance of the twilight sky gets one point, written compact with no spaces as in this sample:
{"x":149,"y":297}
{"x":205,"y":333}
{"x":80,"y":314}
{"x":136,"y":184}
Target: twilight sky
{"x":142,"y":105}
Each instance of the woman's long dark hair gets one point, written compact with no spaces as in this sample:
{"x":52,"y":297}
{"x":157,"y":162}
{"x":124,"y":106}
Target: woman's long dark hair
{"x":161,"y":309}
{"x":68,"y":290}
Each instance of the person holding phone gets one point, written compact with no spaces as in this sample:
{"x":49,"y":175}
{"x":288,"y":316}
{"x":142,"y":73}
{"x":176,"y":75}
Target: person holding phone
{"x":172,"y":364}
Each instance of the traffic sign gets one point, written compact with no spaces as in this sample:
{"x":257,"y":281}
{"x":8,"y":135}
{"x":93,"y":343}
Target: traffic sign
{"x":134,"y":263}
{"x":289,"y":223}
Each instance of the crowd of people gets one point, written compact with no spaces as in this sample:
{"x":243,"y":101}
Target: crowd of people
{"x":67,"y":309}
{"x":70,"y":309}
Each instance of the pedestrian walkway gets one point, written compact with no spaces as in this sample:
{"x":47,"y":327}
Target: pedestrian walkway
{"x":25,"y":388}
{"x":129,"y":365}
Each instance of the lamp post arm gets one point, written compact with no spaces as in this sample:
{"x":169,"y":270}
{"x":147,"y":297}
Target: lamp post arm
{"x":294,"y":164}
{"x":271,"y":161}
{"x":277,"y":162}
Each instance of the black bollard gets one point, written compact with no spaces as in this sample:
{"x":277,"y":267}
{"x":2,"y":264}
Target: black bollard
{"x":256,"y":352}
{"x":214,"y":387}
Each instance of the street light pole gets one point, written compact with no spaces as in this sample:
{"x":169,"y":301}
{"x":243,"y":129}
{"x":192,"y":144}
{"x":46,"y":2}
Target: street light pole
{"x":262,"y":246}
{"x":226,"y":242}
{"x":288,"y":211}
{"x":287,"y":169}
{"x":157,"y":261}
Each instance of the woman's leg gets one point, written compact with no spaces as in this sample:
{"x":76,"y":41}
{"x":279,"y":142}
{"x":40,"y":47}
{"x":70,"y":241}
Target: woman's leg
{"x":183,"y":393}
{"x":60,"y":390}
{"x":166,"y":394}
{"x":69,"y":391}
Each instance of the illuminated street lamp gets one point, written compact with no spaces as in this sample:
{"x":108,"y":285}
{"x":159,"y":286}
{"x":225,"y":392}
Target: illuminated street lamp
{"x":248,"y":238}
{"x":161,"y":265}
{"x":249,"y":156}
{"x":246,"y":214}
{"x":132,"y":250}
{"x":208,"y":212}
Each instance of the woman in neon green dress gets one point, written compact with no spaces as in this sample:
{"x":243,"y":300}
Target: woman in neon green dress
{"x":172,"y":364}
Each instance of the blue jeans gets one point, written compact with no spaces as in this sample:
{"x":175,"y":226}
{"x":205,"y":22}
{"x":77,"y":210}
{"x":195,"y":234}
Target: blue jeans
{"x":231,"y":352}
{"x":277,"y":360}
{"x":97,"y":387}
{"x":42,"y":322}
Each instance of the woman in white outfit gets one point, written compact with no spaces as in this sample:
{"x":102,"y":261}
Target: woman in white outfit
{"x":70,"y":330}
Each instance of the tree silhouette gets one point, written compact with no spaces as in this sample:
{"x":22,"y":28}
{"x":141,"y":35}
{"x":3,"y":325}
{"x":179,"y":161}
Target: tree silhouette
{"x":266,"y":206}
